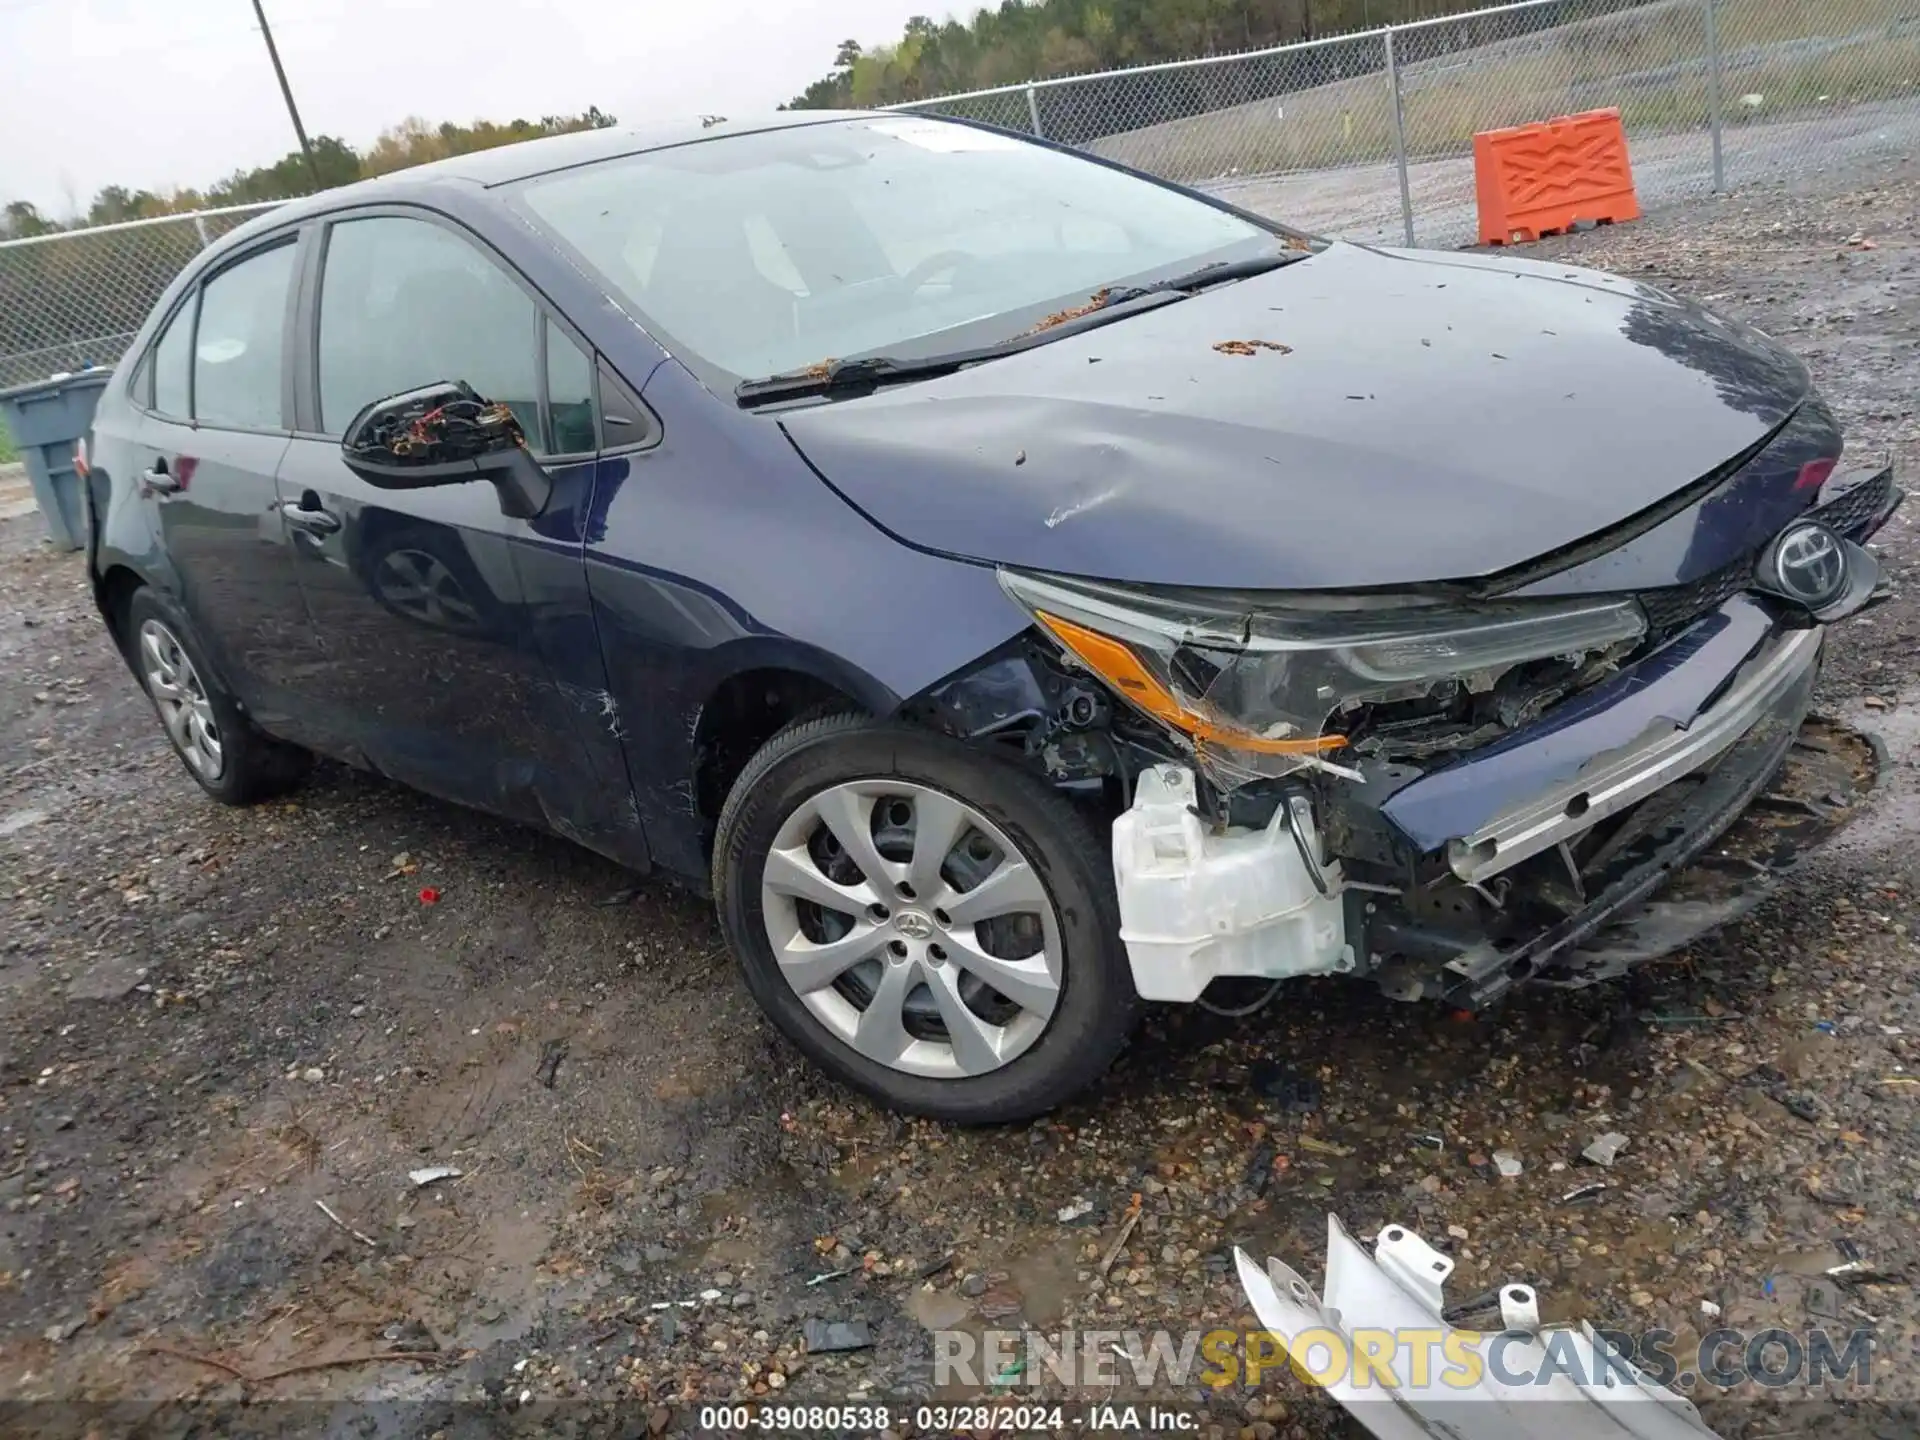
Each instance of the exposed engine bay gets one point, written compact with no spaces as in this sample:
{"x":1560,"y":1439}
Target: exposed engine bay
{"x":1594,"y":784}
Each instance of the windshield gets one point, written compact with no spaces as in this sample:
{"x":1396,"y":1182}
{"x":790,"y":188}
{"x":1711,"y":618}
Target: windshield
{"x":755,"y":254}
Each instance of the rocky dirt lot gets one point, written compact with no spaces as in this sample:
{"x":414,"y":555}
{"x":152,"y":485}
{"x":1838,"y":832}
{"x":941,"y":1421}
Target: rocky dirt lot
{"x":226,"y":1037}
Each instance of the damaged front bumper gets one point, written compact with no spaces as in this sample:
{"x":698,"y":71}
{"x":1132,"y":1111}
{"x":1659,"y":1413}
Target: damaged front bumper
{"x":1379,"y":1343}
{"x":1627,"y":822}
{"x":1583,"y":770}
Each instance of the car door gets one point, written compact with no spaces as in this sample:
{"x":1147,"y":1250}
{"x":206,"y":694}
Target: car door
{"x":209,"y":425}
{"x":431,"y":605}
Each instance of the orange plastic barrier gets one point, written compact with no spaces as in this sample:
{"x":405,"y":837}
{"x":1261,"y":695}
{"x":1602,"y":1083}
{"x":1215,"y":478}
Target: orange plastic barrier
{"x":1536,"y":180}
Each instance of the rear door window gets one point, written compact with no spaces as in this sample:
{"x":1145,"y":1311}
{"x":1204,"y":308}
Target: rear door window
{"x":240,"y":340}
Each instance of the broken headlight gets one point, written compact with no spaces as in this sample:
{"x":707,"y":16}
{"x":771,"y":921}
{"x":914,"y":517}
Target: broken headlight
{"x":1258,"y":683}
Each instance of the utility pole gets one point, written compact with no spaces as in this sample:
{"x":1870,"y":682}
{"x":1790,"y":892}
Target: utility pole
{"x":286,"y":91}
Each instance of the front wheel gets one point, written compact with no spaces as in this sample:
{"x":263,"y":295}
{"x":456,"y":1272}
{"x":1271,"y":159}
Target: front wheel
{"x":927,"y":922}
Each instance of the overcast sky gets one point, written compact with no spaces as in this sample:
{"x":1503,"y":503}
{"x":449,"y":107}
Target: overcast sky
{"x":157,"y":94}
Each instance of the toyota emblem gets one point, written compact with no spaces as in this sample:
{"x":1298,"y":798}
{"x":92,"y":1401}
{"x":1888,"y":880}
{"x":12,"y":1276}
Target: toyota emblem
{"x":1809,"y":565}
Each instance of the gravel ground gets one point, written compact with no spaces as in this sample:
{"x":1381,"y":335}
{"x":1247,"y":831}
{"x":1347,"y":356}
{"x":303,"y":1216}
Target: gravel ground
{"x":227,"y":1036}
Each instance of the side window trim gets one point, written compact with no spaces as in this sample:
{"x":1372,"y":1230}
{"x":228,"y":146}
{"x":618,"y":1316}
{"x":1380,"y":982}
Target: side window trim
{"x":543,"y":384}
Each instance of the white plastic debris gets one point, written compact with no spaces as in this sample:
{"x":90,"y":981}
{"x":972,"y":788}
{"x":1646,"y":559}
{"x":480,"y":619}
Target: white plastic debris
{"x":1606,"y":1149}
{"x":1069,"y":1213}
{"x":434,"y":1172}
{"x":1585,"y":1388}
{"x":1507,"y":1163}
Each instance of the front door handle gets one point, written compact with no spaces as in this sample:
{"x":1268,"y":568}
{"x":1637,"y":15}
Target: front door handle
{"x":312,"y":519}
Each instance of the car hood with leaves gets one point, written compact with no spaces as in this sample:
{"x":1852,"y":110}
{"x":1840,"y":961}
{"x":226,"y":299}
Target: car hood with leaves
{"x":1363,"y":418}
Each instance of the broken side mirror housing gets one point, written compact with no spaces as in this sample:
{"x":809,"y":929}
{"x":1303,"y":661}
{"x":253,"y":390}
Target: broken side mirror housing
{"x":446,"y":434}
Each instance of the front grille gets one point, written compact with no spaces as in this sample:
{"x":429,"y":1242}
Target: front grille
{"x":1674,"y":608}
{"x":1851,"y":513}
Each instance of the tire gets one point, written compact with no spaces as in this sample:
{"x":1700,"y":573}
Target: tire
{"x":195,"y":705}
{"x":1044,"y":1046}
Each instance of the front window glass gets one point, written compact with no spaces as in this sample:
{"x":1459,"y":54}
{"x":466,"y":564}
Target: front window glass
{"x":768,"y":252}
{"x":406,"y":303}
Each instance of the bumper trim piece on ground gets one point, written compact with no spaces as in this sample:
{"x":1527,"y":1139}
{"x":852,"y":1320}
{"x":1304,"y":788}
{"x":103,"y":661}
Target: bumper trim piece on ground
{"x":1419,"y":1376}
{"x":1629,"y":775}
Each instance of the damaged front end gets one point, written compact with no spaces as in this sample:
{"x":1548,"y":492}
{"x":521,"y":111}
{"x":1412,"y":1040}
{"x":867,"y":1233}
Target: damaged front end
{"x":1380,"y":1342}
{"x":1447,"y":792}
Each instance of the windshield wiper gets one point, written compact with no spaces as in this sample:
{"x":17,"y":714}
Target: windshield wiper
{"x":832,"y":376}
{"x":869,"y":372}
{"x":866,"y":373}
{"x":1219,"y":272}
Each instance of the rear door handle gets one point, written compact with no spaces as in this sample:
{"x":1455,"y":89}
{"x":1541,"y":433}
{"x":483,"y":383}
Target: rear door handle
{"x":313,"y":520}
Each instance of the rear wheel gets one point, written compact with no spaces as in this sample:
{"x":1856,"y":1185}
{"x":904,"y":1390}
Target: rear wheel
{"x":927,"y":922}
{"x":232,"y":760}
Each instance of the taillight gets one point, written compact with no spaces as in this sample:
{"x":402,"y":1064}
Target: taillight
{"x":1814,"y":473}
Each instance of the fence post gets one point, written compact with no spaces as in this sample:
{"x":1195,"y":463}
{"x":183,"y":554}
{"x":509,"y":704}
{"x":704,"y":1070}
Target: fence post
{"x":1400,"y":133}
{"x":200,"y":229}
{"x":1714,"y":88}
{"x":1033,"y":112}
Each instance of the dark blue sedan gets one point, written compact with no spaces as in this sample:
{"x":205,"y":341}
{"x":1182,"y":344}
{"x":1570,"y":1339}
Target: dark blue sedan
{"x":1020,"y":588}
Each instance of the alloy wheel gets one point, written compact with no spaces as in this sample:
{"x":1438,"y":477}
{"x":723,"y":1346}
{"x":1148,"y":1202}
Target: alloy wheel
{"x":181,"y":699}
{"x":913,"y":928}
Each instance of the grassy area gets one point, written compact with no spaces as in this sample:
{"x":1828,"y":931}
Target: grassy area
{"x":1797,"y":55}
{"x":7,"y":452}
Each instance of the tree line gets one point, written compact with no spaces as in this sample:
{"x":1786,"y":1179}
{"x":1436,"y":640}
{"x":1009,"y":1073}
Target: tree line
{"x":412,"y":142}
{"x":1026,"y":40}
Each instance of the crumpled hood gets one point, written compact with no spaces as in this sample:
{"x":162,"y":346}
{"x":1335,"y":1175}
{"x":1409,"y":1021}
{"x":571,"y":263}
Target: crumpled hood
{"x":1434,"y":417}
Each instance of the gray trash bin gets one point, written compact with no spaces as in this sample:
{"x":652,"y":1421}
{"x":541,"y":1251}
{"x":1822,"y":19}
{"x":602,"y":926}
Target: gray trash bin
{"x":45,"y":419}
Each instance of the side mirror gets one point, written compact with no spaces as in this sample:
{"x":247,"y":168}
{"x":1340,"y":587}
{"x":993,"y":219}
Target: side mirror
{"x":446,"y":434}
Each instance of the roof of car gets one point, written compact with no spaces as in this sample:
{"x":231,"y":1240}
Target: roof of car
{"x":507,"y":163}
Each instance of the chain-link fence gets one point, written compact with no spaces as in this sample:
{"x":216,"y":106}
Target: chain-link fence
{"x":74,"y":298}
{"x":1370,"y":135}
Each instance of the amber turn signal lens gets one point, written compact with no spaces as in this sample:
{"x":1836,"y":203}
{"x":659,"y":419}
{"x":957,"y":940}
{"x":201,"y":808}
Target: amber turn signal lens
{"x":1116,"y":663}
